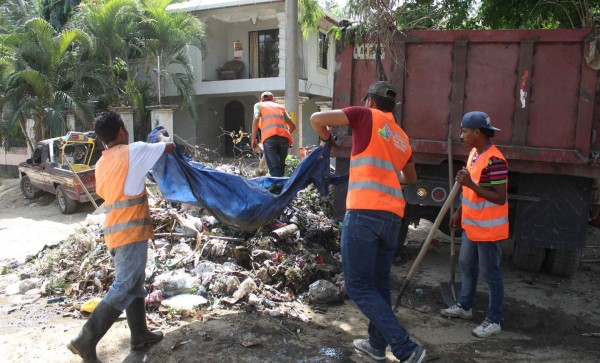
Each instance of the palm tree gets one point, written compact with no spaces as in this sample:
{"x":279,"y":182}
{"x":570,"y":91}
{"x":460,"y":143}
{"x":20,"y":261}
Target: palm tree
{"x":130,"y":37}
{"x":14,"y":14}
{"x":42,"y":81}
{"x":166,"y":38}
{"x":113,"y":26}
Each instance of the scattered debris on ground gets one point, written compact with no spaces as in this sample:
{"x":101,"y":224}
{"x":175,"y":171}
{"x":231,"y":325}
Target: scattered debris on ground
{"x":196,"y":264}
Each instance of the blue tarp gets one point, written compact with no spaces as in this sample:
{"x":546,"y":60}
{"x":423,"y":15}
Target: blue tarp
{"x":236,"y":201}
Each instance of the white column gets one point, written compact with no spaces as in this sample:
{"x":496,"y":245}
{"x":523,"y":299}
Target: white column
{"x":300,"y":126}
{"x":197,"y":62}
{"x":30,"y":130}
{"x":70,"y":121}
{"x":162,"y":116}
{"x":281,"y":19}
{"x":126,"y":114}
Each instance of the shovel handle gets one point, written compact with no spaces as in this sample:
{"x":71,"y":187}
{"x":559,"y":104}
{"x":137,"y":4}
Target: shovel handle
{"x":81,"y":182}
{"x":452,"y":255}
{"x":434,"y":228}
{"x":425,"y":247}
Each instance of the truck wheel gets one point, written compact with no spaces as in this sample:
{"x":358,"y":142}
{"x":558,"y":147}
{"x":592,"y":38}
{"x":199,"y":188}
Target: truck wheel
{"x":65,"y":204}
{"x":558,"y":220}
{"x":28,"y":190}
{"x":563,"y":263}
{"x":528,"y":258}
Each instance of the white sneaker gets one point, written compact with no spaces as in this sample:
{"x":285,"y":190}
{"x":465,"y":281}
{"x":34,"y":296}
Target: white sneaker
{"x":456,"y":311}
{"x":487,"y":329}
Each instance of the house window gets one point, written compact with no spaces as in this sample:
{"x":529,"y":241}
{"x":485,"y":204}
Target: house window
{"x":323,"y":50}
{"x":264,"y":53}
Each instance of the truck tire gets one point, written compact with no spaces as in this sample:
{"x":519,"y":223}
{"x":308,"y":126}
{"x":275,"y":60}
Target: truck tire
{"x":65,"y":204}
{"x":528,"y":258}
{"x":563,"y":263}
{"x":28,"y":189}
{"x":556,"y":222}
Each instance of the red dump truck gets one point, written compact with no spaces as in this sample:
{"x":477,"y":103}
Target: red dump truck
{"x":536,"y":86}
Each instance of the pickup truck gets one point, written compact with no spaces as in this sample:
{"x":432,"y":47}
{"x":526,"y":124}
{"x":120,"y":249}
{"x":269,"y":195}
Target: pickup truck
{"x":53,"y":166}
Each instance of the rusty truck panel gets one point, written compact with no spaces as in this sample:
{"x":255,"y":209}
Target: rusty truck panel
{"x":537,"y":88}
{"x":535,"y":85}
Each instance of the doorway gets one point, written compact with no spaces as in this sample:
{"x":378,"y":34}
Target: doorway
{"x":235,"y":140}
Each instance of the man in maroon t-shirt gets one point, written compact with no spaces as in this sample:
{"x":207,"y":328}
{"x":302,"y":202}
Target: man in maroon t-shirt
{"x":381,"y":162}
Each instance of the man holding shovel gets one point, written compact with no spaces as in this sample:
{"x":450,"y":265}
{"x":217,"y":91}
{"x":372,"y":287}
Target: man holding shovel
{"x":483,"y":216}
{"x":380,"y":162}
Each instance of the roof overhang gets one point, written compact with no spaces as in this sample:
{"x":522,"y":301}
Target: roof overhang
{"x":199,"y":5}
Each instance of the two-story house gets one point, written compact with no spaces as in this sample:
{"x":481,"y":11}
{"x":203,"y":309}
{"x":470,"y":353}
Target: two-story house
{"x":246,"y":56}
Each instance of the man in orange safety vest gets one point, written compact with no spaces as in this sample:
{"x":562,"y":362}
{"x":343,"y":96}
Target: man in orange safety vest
{"x":120,"y":181}
{"x":276,"y":127}
{"x":380,"y":163}
{"x":483,"y":215}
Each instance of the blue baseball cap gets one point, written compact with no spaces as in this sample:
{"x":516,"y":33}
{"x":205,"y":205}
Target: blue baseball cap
{"x":477,"y":120}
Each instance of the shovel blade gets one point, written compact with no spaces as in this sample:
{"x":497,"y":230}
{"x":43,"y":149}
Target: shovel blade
{"x":450,"y":292}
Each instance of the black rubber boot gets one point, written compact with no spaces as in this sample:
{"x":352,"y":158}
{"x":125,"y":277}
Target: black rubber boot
{"x":93,"y":330}
{"x":136,"y":318}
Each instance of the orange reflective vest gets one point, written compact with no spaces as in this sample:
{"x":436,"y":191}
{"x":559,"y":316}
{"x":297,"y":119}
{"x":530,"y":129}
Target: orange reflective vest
{"x":127,"y":218}
{"x":482,"y":220}
{"x":375,"y":172}
{"x":272,"y":121}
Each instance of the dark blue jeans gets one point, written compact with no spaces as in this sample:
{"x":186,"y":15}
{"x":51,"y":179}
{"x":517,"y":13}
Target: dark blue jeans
{"x":276,"y":150}
{"x":484,"y":256}
{"x":369,"y":242}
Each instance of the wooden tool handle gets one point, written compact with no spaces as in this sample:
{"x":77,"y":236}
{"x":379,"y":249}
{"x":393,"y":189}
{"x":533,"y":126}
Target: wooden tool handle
{"x":434,"y":228}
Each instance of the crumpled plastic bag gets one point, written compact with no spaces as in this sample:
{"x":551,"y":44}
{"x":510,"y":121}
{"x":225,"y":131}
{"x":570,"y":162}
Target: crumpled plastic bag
{"x":184,"y":302}
{"x":176,"y":282}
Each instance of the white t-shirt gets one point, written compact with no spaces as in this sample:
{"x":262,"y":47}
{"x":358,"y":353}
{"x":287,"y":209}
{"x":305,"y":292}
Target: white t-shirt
{"x":142,"y":157}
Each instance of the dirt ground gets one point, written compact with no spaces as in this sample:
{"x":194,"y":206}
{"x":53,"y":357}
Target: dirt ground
{"x":26,"y":226}
{"x":546,"y":318}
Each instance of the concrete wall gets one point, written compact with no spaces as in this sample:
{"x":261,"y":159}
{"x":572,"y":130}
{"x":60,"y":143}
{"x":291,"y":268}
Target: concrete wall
{"x":207,"y":131}
{"x":183,"y":125}
{"x":224,"y":26}
{"x":10,"y":159}
{"x":309,"y":137}
{"x":317,"y":75}
{"x":9,"y":171}
{"x":211,"y":127}
{"x":218,"y":48}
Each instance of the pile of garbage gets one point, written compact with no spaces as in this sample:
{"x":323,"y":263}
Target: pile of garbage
{"x":197,"y":264}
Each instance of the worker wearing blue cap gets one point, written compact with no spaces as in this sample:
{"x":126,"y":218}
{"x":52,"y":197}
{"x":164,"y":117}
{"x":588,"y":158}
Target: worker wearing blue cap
{"x":483,"y":215}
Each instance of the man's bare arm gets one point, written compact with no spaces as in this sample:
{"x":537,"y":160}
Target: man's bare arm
{"x":320,"y":121}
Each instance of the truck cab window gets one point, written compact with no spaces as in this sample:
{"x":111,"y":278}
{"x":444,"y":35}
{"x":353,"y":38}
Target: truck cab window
{"x":37,"y":155}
